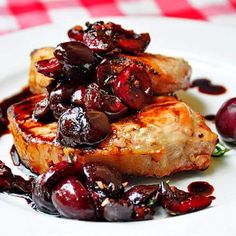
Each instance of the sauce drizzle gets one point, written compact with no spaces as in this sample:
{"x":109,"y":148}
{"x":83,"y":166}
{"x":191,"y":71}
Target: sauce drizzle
{"x":201,"y":188}
{"x":206,"y":86}
{"x":210,"y":117}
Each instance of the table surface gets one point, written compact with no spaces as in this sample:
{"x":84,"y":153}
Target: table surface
{"x":20,"y":14}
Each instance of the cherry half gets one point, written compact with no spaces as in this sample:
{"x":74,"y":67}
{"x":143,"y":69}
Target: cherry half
{"x":107,"y":37}
{"x":92,"y":97}
{"x":180,"y":202}
{"x":105,"y":179}
{"x":133,"y":87}
{"x":49,"y":67}
{"x":143,"y":195}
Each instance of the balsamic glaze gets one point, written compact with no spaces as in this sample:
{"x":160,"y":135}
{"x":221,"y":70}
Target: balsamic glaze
{"x":205,"y":86}
{"x":18,"y":163}
{"x":24,"y":93}
{"x":210,"y":117}
{"x":201,"y":187}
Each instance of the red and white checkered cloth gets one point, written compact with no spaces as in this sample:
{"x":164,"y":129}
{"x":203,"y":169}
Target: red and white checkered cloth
{"x":20,"y":14}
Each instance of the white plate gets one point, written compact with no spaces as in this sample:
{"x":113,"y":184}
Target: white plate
{"x":211,"y":51}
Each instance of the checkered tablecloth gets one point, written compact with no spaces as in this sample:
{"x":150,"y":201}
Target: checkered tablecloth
{"x":21,"y":14}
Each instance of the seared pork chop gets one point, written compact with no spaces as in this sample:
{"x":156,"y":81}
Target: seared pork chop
{"x":168,"y":74}
{"x":163,"y":138}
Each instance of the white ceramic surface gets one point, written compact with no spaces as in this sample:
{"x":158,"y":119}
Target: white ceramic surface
{"x":211,"y":50}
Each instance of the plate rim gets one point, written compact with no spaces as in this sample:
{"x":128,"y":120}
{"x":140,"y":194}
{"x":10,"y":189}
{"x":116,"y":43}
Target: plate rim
{"x":38,"y":28}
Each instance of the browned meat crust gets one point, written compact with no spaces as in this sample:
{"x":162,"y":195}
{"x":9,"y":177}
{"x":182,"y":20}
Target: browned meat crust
{"x":168,"y":74}
{"x":165,"y":137}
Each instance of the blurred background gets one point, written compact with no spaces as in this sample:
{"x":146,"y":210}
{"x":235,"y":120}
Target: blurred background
{"x":20,"y":14}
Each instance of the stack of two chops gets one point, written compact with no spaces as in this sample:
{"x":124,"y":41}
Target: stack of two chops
{"x":164,"y":137}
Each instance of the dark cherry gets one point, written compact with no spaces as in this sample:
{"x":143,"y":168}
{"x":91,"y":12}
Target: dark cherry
{"x":42,"y":198}
{"x":118,"y":211}
{"x":77,"y":59}
{"x":42,"y":109}
{"x":201,"y":187}
{"x":136,"y":43}
{"x":59,"y":109}
{"x":74,"y":53}
{"x":107,"y":37}
{"x":76,"y":33}
{"x":43,"y":184}
{"x":143,"y":195}
{"x":78,"y":127}
{"x":60,"y":98}
{"x":98,"y":37}
{"x":49,"y":67}
{"x":105,"y":179}
{"x":108,"y":69}
{"x":72,"y":200}
{"x":60,"y":191}
{"x":82,"y":73}
{"x":113,"y":107}
{"x":79,"y":95}
{"x":226,"y":120}
{"x":88,"y":97}
{"x":180,"y":202}
{"x":93,"y":97}
{"x":133,"y":87}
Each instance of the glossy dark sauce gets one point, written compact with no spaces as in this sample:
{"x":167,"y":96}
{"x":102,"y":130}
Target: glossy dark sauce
{"x":7,"y":103}
{"x":206,"y":86}
{"x":201,"y":187}
{"x":17,"y":162}
{"x":210,"y":117}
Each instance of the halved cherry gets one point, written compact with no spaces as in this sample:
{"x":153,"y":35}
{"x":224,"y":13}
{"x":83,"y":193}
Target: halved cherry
{"x":92,"y":97}
{"x":59,"y":98}
{"x":72,"y":200}
{"x":98,"y":37}
{"x":76,"y":33}
{"x":108,"y":69}
{"x":118,"y":211}
{"x":89,"y":97}
{"x":135,"y":44}
{"x":49,"y":67}
{"x":143,"y":194}
{"x":42,"y":109}
{"x":133,"y":86}
{"x":109,"y":37}
{"x":74,"y":53}
{"x":104,"y":179}
{"x":113,"y":107}
{"x":180,"y":202}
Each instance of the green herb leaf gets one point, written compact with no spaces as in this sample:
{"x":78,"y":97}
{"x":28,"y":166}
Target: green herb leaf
{"x":220,"y":150}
